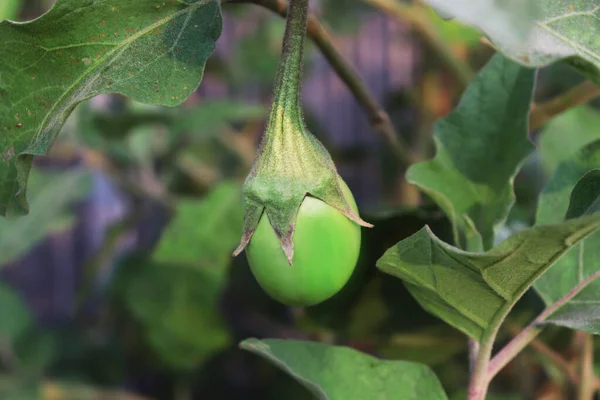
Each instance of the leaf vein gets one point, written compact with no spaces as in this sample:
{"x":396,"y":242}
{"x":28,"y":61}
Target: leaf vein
{"x":589,"y":13}
{"x":118,"y":50}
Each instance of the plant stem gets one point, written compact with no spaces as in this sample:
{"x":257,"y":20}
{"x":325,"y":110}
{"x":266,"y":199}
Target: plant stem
{"x":473,"y":353}
{"x":478,"y":386}
{"x":519,"y":342}
{"x":415,"y":16}
{"x":580,"y":94}
{"x":586,"y":385}
{"x":555,"y":358}
{"x":378,"y":117}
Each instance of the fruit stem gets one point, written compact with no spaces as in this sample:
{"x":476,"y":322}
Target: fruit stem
{"x":286,"y":95}
{"x":379,"y":119}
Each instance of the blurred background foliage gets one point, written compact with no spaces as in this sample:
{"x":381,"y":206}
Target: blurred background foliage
{"x":120,"y":283}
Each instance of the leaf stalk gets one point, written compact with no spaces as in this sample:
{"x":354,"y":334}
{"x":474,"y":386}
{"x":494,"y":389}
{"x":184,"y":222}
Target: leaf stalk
{"x":576,"y":96}
{"x":526,"y":336}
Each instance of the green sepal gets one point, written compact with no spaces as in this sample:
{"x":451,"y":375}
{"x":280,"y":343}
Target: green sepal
{"x":290,"y":164}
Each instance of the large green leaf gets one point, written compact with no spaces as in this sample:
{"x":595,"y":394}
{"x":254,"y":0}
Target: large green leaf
{"x":480,"y":147}
{"x":341,"y":373}
{"x":52,"y":194}
{"x":188,"y":269}
{"x":204,"y":232}
{"x":583,"y":260}
{"x":153,"y":52}
{"x":179,"y":311}
{"x":554,"y":30}
{"x":475,"y":291}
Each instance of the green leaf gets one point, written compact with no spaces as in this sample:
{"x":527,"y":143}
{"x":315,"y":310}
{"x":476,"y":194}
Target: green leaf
{"x":475,"y":291}
{"x":341,"y":373}
{"x":512,"y":19}
{"x":579,"y":263}
{"x":16,"y":318}
{"x":585,"y":197}
{"x":204,"y":232}
{"x":552,"y":208}
{"x":480,"y":146}
{"x":564,"y":135}
{"x":554,"y":30}
{"x":153,"y":52}
{"x":178,"y":308}
{"x":52,"y":193}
